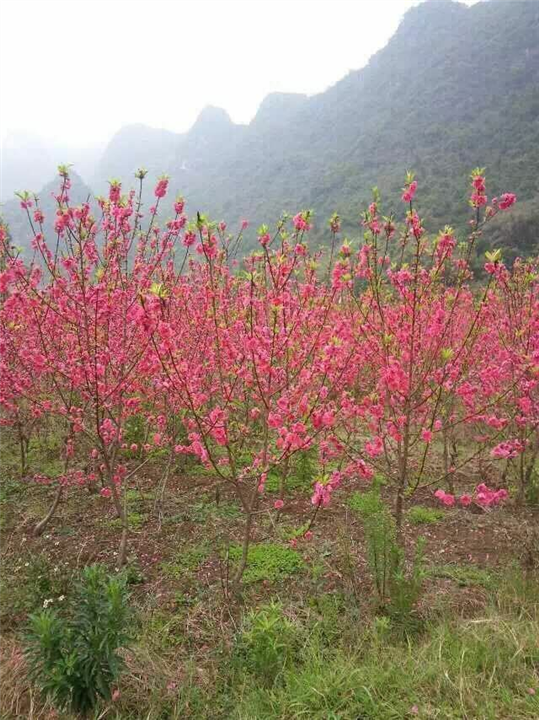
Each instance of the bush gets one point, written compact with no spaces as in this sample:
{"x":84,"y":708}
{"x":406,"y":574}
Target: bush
{"x":397,"y":591}
{"x":268,"y":642}
{"x":74,"y":660}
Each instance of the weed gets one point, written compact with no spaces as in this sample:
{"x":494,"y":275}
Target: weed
{"x":135,"y":521}
{"x":186,"y":563}
{"x":397,"y":590}
{"x":299,"y":479}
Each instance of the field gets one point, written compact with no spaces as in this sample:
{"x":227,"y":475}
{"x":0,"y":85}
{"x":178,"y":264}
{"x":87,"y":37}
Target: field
{"x":303,"y":639}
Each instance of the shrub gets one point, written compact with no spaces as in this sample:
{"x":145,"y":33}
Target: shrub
{"x":74,"y":660}
{"x":396,"y":589}
{"x":300,"y":478}
{"x":268,"y":642}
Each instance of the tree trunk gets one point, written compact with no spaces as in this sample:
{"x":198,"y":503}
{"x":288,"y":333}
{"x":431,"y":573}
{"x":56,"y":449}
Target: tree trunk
{"x":42,"y":524}
{"x":245,"y":549}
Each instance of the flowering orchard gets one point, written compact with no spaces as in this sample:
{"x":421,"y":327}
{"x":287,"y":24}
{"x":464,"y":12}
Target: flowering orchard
{"x":381,"y":358}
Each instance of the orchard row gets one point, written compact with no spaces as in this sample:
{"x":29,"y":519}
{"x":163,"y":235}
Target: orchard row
{"x":380,"y":357}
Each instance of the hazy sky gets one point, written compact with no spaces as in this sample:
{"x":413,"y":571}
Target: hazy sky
{"x":74,"y":71}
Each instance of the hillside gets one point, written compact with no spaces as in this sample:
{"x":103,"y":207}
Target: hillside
{"x":456,"y":87}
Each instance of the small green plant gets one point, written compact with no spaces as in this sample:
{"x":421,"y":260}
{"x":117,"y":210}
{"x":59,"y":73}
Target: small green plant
{"x":135,"y":520}
{"x":267,"y":562}
{"x":289,"y":532}
{"x":268,"y":642}
{"x":397,"y":589}
{"x":135,"y":430}
{"x":11,"y":489}
{"x":24,"y":588}
{"x":74,"y":659}
{"x":380,"y":537}
{"x":406,"y":587}
{"x":419,"y":515}
{"x":206,"y":508}
{"x":300,"y":478}
{"x":163,"y":631}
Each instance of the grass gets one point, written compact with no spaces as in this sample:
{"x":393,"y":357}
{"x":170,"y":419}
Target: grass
{"x":321,"y":660}
{"x":268,"y":562}
{"x":25,"y":586}
{"x":204,"y":510}
{"x":135,"y":521}
{"x":186,"y":562}
{"x":464,"y":575}
{"x":479,"y":669}
{"x":299,"y":479}
{"x":317,"y":657}
{"x":419,"y":515}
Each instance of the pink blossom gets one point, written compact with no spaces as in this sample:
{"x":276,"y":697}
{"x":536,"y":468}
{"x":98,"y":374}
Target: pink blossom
{"x":446,"y":499}
{"x":161,"y":187}
{"x":506,"y":201}
{"x":409,"y":192}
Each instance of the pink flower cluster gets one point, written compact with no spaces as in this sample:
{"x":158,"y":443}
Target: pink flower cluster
{"x":483,"y":496}
{"x":507,"y":449}
{"x":409,"y":192}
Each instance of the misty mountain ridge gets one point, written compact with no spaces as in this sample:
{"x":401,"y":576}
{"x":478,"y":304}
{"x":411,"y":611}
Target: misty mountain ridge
{"x":455,"y":87}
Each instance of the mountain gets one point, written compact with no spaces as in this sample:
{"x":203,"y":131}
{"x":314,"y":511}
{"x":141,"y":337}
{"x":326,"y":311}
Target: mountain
{"x":134,"y":147}
{"x":456,"y":87}
{"x":28,"y":162}
{"x":17,"y":221}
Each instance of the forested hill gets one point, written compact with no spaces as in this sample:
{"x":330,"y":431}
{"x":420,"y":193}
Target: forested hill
{"x":456,"y":87}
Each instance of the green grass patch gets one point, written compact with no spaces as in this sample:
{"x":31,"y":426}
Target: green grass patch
{"x":204,"y":510}
{"x":268,"y":562}
{"x":135,"y":521}
{"x":300,"y":478}
{"x":136,"y":496}
{"x":480,"y":670}
{"x":419,"y":515}
{"x":464,"y":575}
{"x":187,"y":562}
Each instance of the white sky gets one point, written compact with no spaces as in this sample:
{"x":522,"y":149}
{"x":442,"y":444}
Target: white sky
{"x":75,"y":71}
